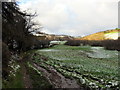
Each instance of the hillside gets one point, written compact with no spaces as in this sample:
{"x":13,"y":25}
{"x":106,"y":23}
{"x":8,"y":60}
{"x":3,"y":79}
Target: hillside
{"x":104,"y":35}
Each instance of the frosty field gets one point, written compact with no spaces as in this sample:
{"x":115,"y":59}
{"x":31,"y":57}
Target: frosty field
{"x":92,"y":67}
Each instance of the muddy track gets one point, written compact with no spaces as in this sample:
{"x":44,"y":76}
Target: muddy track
{"x":26,"y":77}
{"x":57,"y":79}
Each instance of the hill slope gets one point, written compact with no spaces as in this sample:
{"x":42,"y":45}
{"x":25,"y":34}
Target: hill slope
{"x":104,"y":35}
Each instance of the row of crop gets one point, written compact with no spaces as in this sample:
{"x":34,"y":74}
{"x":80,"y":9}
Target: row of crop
{"x":87,"y":80}
{"x":38,"y":80}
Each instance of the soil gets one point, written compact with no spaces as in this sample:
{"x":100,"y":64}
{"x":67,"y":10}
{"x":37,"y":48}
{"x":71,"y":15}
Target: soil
{"x":57,"y":79}
{"x":26,"y":77}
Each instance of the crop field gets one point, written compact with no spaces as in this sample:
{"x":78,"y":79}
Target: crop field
{"x":92,"y":67}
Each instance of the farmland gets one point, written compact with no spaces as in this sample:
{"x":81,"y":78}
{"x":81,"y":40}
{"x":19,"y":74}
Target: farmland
{"x":91,"y":67}
{"x":55,"y":48}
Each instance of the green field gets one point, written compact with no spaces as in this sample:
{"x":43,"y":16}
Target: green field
{"x":93,"y":67}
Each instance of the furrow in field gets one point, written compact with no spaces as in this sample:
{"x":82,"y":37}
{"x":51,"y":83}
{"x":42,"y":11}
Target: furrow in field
{"x":57,"y":79}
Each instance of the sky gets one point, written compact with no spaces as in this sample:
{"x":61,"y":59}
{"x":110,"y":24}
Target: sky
{"x":73,"y":17}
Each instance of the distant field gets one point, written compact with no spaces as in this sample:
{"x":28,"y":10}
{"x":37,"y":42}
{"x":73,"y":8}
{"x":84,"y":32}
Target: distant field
{"x":103,"y":35}
{"x":92,"y":67}
{"x":112,"y":35}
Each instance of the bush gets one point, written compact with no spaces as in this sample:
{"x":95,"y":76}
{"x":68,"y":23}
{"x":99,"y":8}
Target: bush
{"x":5,"y":59}
{"x":76,"y":42}
{"x":41,"y":44}
{"x":112,"y":44}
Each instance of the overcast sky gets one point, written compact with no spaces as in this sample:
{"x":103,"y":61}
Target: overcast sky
{"x":73,"y":17}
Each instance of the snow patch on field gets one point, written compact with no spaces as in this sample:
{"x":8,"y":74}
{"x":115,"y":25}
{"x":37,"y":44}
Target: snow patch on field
{"x":112,"y":35}
{"x":99,"y":52}
{"x":47,"y":50}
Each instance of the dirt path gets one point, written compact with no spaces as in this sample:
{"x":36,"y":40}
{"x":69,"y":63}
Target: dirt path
{"x":57,"y":79}
{"x":27,"y":80}
{"x":26,"y":77}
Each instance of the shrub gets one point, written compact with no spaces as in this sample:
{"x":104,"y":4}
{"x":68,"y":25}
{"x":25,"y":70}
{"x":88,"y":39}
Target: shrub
{"x":5,"y":59}
{"x":108,"y":44}
{"x":112,"y":44}
{"x":41,"y":44}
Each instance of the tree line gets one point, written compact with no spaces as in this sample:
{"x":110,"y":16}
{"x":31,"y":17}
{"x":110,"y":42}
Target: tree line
{"x":17,"y":28}
{"x":107,"y":44}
